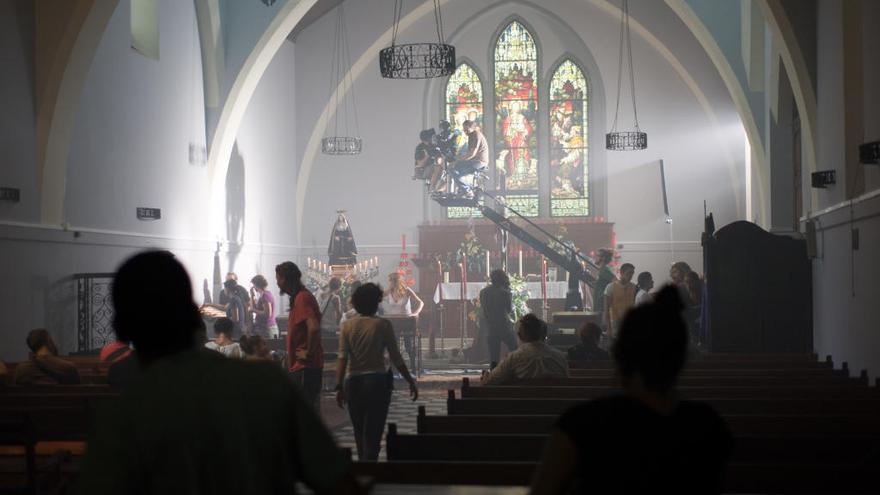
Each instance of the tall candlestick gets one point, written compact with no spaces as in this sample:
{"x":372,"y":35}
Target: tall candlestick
{"x":487,"y":264}
{"x":520,"y":263}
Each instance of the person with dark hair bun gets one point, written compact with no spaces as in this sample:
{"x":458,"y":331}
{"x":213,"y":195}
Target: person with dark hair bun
{"x":645,"y":439}
{"x":194,"y":421}
{"x":362,"y":345}
{"x":533,"y":359}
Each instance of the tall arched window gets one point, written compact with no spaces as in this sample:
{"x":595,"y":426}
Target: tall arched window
{"x":516,"y":109}
{"x":569,"y":188}
{"x":464,"y":101}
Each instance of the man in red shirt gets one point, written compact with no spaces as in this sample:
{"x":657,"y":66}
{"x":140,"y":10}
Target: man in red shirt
{"x":304,"y":350}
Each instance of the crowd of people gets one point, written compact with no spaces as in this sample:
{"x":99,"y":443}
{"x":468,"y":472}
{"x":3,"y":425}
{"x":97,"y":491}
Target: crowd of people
{"x":264,"y":429}
{"x":252,"y":312}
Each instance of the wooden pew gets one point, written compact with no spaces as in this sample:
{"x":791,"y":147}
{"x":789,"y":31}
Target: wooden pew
{"x":31,"y":400}
{"x":739,"y":372}
{"x":739,"y":423}
{"x":740,"y":477}
{"x":855,"y":407}
{"x":520,"y":447}
{"x":687,"y":392}
{"x":718,"y":364}
{"x":607,"y":380}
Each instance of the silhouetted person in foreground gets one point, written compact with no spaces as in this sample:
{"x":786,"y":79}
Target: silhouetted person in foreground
{"x":588,"y":349}
{"x":43,"y":366}
{"x":644,"y":440}
{"x":195,"y":421}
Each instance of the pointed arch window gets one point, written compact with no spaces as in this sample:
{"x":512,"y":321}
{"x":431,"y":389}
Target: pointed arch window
{"x":464,"y":101}
{"x":569,"y":172}
{"x":516,"y":109}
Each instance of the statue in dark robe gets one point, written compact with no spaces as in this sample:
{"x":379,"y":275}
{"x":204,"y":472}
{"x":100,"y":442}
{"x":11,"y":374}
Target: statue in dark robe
{"x":342,"y":250}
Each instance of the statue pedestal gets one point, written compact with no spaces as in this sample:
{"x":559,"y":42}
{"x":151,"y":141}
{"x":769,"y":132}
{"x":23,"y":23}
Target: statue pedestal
{"x":341,"y":271}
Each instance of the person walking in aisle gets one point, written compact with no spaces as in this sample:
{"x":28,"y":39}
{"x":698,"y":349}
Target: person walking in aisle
{"x":367,"y":388}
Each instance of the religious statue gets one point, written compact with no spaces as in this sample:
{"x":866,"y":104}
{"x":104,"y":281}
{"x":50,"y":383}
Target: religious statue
{"x":342,"y":249}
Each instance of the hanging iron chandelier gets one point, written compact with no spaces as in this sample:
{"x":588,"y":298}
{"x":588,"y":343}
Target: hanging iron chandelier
{"x":634,"y":139}
{"x":341,"y":82}
{"x":417,"y":60}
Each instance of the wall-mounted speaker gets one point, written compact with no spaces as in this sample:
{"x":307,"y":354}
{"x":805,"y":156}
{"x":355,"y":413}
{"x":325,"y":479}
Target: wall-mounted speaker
{"x":823,"y":178}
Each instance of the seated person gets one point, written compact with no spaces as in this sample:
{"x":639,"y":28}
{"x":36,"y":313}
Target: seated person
{"x":532,"y":359}
{"x":223,"y":343}
{"x":428,"y":160}
{"x":474,"y":159}
{"x":449,"y":141}
{"x":588,"y":349}
{"x":255,"y":348}
{"x":644,"y":440}
{"x":114,"y":351}
{"x":44,"y":367}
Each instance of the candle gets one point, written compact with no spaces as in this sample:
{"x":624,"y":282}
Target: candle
{"x":544,"y":279}
{"x":487,"y":264}
{"x":445,"y":277}
{"x":520,"y":263}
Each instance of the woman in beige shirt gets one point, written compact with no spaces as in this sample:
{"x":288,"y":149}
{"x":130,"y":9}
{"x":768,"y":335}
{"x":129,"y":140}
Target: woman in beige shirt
{"x":362,"y":344}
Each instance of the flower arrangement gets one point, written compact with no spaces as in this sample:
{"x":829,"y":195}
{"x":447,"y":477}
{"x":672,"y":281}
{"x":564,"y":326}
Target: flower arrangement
{"x":476,"y":254}
{"x":520,"y":298}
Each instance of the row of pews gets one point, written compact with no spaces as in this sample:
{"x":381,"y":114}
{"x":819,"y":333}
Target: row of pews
{"x":799,"y":426}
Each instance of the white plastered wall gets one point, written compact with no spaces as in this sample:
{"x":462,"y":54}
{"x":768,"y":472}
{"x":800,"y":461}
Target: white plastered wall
{"x":130,"y":147}
{"x":703,"y":151}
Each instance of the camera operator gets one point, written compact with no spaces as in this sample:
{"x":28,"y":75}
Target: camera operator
{"x":449,"y":141}
{"x":428,"y":159}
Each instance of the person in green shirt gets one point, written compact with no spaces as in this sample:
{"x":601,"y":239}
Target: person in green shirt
{"x":194,"y":421}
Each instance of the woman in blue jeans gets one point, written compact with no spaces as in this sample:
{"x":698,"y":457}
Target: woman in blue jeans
{"x":363,"y":341}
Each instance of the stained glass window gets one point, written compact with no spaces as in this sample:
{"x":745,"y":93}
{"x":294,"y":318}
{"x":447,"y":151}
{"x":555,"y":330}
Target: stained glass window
{"x":516,"y":108}
{"x":569,"y":194}
{"x":464,"y":101}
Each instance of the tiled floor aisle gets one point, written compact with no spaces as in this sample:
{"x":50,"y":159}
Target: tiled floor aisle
{"x":403,"y":411}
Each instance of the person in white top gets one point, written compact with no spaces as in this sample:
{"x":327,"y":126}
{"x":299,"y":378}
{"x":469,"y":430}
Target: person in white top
{"x":223,"y":342}
{"x":533,"y":359}
{"x":399,"y":298}
{"x":399,"y":301}
{"x":645,"y":283}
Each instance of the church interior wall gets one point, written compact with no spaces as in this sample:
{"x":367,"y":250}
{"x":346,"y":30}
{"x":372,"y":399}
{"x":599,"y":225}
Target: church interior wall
{"x":710,"y":167}
{"x":17,"y":120}
{"x":130,"y":147}
{"x":844,"y":303}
